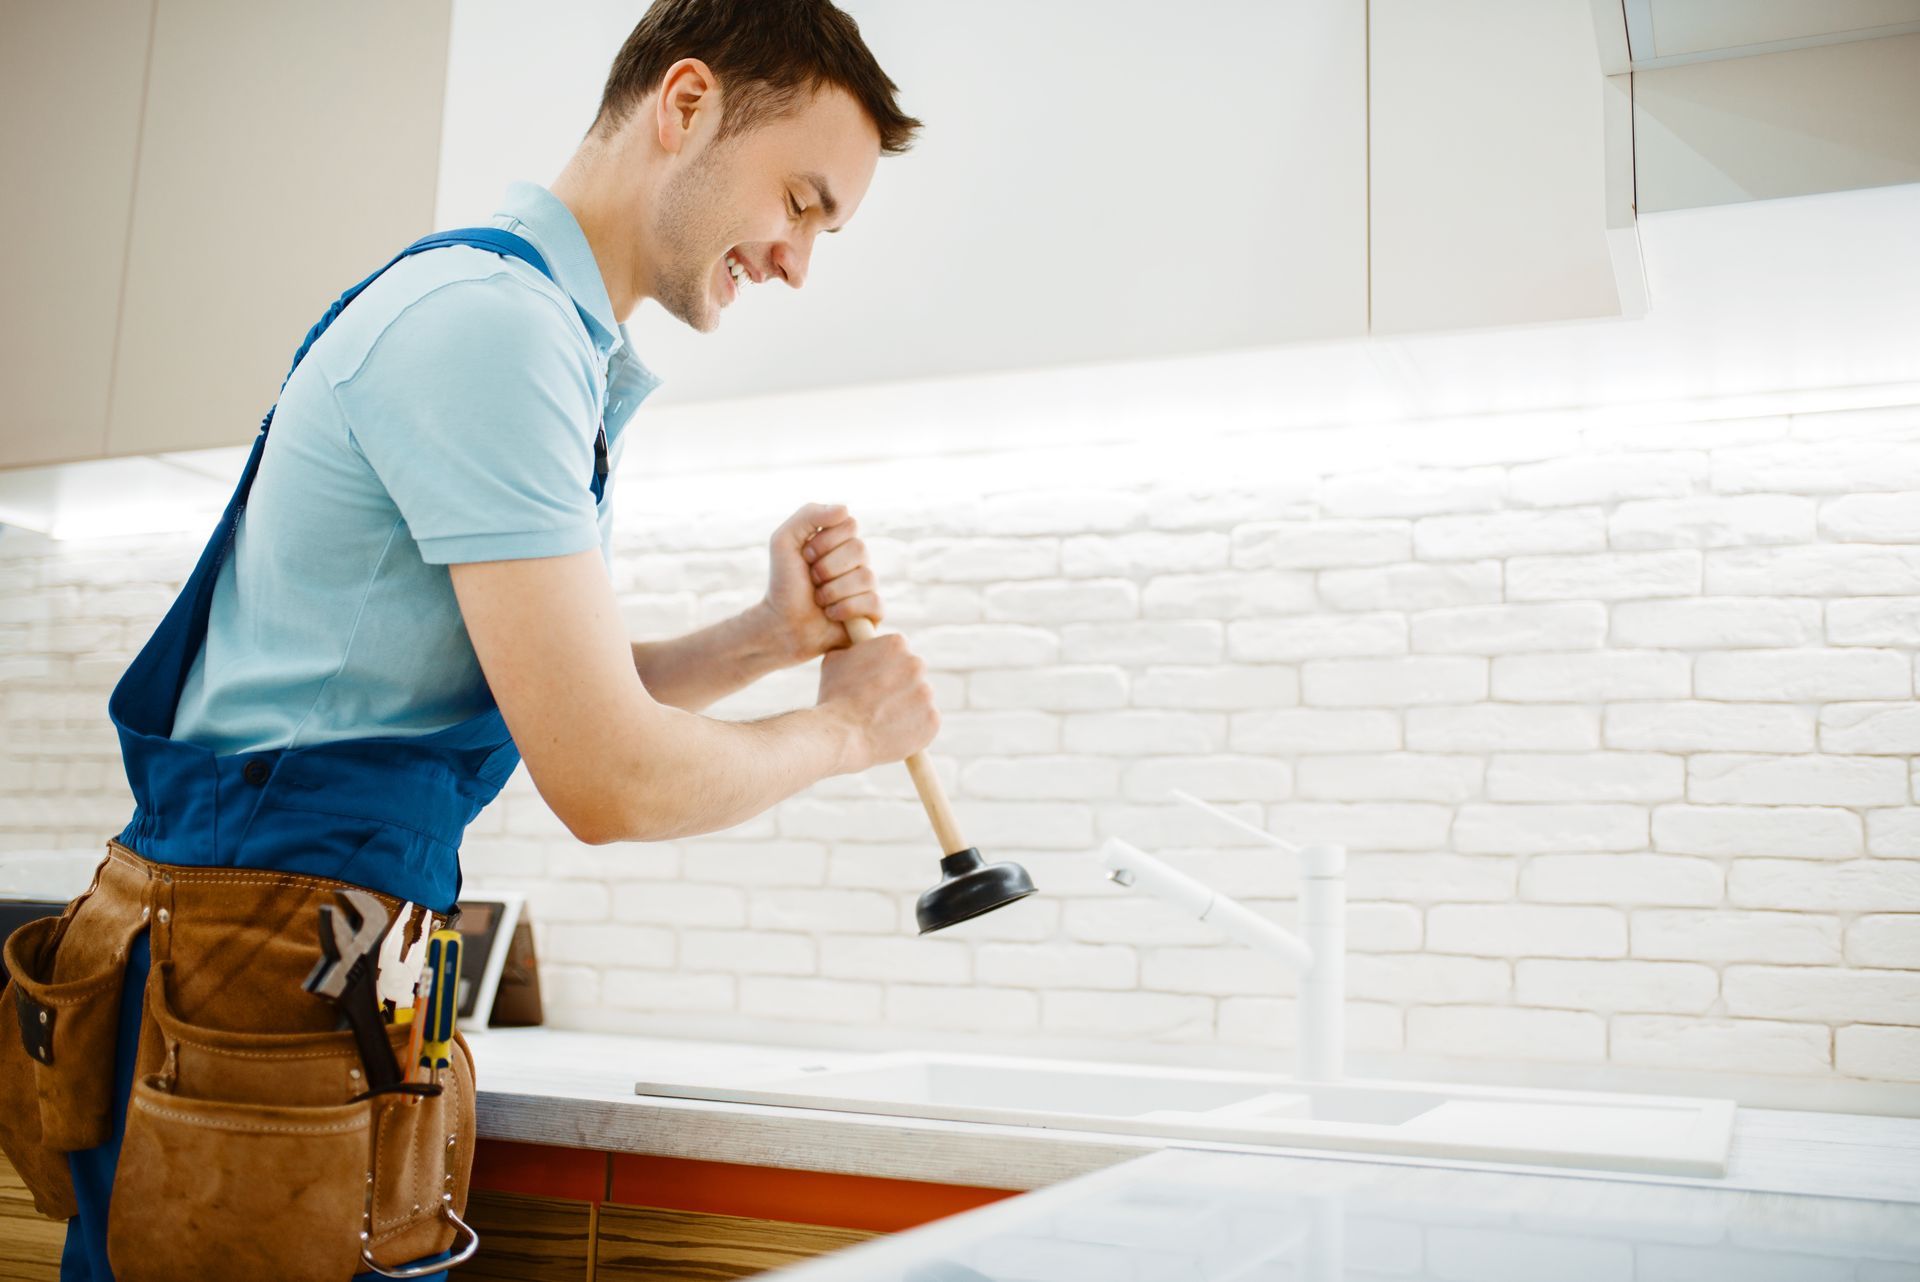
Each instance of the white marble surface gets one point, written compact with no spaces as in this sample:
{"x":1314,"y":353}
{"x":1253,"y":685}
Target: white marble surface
{"x":1189,"y":1216}
{"x":576,"y":1089}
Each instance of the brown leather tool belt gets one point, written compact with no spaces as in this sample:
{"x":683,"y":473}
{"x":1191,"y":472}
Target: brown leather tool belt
{"x":251,"y":1148}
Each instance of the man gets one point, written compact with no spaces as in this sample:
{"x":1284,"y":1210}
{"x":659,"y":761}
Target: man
{"x":409,"y":594}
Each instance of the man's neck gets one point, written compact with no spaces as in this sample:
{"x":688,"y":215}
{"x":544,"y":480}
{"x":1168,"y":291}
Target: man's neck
{"x":583,"y":188}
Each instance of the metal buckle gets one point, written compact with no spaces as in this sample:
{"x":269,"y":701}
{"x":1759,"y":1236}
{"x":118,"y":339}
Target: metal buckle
{"x":423,"y":1270}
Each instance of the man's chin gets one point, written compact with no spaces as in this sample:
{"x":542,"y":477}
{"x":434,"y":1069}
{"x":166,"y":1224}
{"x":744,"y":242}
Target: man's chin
{"x":703,"y":319}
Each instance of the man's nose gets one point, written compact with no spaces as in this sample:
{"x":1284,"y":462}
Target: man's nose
{"x":791,"y":261}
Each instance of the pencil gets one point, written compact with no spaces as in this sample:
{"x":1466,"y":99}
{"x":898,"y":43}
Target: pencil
{"x":420,"y":990}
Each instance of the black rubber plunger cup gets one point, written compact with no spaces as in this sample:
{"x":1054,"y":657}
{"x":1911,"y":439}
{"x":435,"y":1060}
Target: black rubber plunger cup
{"x":969,"y":885}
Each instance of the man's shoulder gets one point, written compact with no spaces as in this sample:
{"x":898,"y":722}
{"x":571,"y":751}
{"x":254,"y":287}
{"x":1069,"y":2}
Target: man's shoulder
{"x":461,"y":303}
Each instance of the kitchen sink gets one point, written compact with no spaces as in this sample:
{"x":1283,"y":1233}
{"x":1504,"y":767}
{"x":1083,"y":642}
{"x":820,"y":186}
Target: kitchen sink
{"x":1644,"y":1133}
{"x":982,"y":1088}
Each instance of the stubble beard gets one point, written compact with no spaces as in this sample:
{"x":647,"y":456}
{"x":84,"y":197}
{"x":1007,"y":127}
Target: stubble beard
{"x":686,"y":211}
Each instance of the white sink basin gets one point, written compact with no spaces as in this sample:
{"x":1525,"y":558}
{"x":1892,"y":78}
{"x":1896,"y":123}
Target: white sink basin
{"x":969,"y":1085}
{"x":1647,"y":1133}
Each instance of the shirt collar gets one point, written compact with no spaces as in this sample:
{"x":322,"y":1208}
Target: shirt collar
{"x":530,"y":210}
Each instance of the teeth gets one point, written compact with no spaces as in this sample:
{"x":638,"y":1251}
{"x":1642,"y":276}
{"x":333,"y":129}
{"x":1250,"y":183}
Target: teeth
{"x":739,"y":272}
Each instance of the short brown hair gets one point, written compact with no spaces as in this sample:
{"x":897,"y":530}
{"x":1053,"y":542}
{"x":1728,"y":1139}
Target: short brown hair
{"x":766,"y":53}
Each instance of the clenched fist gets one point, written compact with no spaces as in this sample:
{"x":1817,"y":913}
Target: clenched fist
{"x":818,"y":578}
{"x":880,"y":688}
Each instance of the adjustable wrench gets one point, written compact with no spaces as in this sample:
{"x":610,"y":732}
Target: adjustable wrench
{"x":350,"y":937}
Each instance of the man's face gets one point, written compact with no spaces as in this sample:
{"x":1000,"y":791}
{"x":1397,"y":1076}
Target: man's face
{"x":745,"y":211}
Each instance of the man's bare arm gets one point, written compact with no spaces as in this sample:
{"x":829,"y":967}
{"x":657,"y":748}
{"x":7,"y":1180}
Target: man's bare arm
{"x":617,"y":764}
{"x":701,"y":667}
{"x":818,"y":578}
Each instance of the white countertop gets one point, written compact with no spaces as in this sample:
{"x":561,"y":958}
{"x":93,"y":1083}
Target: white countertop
{"x":547,"y":1086}
{"x":1192,"y":1216}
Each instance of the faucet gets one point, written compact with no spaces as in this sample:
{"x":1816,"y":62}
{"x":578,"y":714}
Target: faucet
{"x":1321,"y":958}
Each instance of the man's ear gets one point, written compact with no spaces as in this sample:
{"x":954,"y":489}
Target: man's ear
{"x":688,"y":101}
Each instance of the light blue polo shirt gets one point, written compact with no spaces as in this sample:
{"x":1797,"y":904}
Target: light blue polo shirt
{"x":448,"y":415}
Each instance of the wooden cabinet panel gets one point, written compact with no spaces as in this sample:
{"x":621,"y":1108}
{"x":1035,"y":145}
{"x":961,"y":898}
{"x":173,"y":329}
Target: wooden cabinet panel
{"x":71,"y":74}
{"x":690,"y":1246}
{"x":536,"y":1239}
{"x":287,"y":151}
{"x":30,"y":1243}
{"x":530,"y":1239}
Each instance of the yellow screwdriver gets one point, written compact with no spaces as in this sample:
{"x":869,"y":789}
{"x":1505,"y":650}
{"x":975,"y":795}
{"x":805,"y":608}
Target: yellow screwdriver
{"x":443,"y":1000}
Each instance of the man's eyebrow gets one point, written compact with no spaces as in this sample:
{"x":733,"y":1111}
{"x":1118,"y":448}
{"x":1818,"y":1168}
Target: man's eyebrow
{"x":828,"y":205}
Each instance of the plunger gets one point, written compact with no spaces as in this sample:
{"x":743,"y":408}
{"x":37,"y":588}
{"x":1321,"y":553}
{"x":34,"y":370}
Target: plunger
{"x":969,"y":885}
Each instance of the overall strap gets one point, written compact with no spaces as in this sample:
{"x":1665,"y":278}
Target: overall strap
{"x":143,"y":703}
{"x":504,"y":243}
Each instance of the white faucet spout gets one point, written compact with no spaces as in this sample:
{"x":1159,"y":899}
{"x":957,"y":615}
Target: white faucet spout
{"x":1321,"y":959}
{"x":1232,"y":821}
{"x":1138,"y":868}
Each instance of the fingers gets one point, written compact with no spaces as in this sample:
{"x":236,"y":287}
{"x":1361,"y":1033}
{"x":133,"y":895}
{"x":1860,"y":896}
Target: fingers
{"x":797,"y":529}
{"x":849,"y":596}
{"x":839,"y":589}
{"x":845,"y":558}
{"x":865,"y":603}
{"x":830,"y":539}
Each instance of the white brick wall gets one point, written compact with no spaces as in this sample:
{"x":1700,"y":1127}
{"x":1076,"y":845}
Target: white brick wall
{"x":1622,"y":743}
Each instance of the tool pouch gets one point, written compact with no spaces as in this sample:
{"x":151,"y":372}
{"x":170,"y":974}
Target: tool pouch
{"x":251,"y":1147}
{"x":259,"y":1155}
{"x":42,"y":1169}
{"x":56,"y":1075}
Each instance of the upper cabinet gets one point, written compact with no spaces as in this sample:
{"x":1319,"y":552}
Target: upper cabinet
{"x":1095,"y":182}
{"x":1789,"y":122}
{"x":1737,"y":100}
{"x":71,"y":86}
{"x":198,"y":180}
{"x":1488,"y":163}
{"x":1666,"y":33}
{"x":288,"y":150}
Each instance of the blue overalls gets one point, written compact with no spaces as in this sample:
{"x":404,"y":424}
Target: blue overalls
{"x":384,"y":813}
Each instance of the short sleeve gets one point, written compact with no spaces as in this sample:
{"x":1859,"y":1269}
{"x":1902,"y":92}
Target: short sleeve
{"x":477,"y":408}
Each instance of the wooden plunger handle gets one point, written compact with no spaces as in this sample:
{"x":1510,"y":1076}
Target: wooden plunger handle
{"x":925,"y":781}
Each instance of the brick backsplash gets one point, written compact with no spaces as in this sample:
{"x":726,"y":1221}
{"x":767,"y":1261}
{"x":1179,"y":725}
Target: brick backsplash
{"x":1622,"y":744}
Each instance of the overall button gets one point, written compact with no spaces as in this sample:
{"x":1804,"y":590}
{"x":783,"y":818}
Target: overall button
{"x":256,"y":771}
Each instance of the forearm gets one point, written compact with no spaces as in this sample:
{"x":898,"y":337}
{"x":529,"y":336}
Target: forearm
{"x":696,"y":774}
{"x":693,"y":671}
{"x":617,"y":764}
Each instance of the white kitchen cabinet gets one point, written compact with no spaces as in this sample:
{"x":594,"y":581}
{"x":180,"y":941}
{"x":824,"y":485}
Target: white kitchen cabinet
{"x":1828,"y":117}
{"x":71,"y":77}
{"x":1671,"y":32}
{"x":287,"y":151}
{"x":198,"y":180}
{"x":1488,"y":165}
{"x":1096,"y":182}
